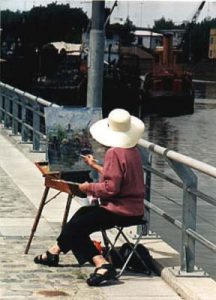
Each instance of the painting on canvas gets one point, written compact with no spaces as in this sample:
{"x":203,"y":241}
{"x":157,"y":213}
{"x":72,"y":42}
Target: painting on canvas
{"x":68,"y":137}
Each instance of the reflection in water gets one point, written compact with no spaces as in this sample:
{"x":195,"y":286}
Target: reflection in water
{"x":205,"y":90}
{"x":193,"y":135}
{"x":162,"y":133}
{"x":166,"y":135}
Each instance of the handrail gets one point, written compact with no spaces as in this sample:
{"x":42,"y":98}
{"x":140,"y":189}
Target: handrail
{"x":186,"y":160}
{"x":27,"y":95}
{"x":183,"y":166}
{"x":23,"y":113}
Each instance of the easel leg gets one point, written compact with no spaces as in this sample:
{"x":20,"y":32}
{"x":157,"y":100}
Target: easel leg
{"x":67,"y":208}
{"x":37,"y":218}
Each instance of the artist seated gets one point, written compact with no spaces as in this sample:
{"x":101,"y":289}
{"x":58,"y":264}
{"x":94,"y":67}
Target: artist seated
{"x":120,"y":190}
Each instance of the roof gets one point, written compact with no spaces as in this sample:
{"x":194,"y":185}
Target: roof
{"x":173,"y":30}
{"x":74,"y":49}
{"x":146,"y":33}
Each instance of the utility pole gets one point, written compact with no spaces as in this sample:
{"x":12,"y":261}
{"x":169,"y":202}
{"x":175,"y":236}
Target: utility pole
{"x":96,"y":55}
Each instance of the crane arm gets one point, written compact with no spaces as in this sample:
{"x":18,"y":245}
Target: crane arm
{"x":107,"y":20}
{"x":191,"y":24}
{"x":197,"y":13}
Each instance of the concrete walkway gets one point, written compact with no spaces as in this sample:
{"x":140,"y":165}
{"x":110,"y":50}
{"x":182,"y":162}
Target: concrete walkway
{"x":21,"y":188}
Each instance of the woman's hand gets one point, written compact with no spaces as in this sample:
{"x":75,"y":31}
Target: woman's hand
{"x":84,"y":187}
{"x":90,"y":160}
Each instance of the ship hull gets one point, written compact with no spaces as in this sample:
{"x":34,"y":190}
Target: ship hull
{"x":167,"y":105}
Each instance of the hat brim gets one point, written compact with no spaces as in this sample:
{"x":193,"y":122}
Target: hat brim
{"x":102,"y":133}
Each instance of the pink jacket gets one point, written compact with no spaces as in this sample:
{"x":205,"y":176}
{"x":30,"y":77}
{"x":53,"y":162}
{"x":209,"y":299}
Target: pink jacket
{"x":121,"y":187}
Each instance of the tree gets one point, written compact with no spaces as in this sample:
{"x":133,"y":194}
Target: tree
{"x":40,"y":25}
{"x":200,"y":36}
{"x":196,"y":34}
{"x":11,"y":23}
{"x":125,"y":32}
{"x":163,"y":24}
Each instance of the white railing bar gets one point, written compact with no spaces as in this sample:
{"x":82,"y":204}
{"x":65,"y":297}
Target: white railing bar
{"x":186,"y":160}
{"x":27,"y":95}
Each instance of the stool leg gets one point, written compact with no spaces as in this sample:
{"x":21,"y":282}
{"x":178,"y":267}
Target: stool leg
{"x":107,"y":242}
{"x":133,"y":248}
{"x":37,"y":218}
{"x":67,"y":209}
{"x":105,"y":239}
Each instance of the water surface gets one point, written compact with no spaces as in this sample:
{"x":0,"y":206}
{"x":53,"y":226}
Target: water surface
{"x":193,"y":135}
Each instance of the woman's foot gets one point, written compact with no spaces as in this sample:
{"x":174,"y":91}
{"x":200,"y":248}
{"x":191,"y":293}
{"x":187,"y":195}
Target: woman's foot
{"x":47,"y":259}
{"x":101,"y":274}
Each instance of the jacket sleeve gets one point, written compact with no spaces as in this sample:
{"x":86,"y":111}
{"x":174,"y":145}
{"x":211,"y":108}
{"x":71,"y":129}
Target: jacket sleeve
{"x":110,"y":183}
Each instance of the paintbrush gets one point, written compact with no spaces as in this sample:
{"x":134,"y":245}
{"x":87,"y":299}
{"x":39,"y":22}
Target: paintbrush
{"x":85,"y":156}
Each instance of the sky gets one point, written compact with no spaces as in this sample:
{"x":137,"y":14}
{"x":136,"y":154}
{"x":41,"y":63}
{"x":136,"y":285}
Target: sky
{"x":142,"y":12}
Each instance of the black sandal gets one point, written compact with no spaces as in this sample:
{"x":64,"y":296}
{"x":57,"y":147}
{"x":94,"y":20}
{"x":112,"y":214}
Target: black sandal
{"x":51,"y":260}
{"x":96,"y":278}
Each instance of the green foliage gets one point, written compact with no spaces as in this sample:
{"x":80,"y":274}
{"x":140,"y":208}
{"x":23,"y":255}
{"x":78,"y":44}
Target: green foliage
{"x":124,"y":31}
{"x":40,"y":25}
{"x":61,"y":134}
{"x":163,"y":24}
{"x":196,"y":40}
{"x":127,"y":36}
{"x":200,"y":36}
{"x":59,"y":22}
{"x":11,"y":23}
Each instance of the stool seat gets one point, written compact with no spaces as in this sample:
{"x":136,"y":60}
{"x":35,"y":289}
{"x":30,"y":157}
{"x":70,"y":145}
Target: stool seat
{"x":131,"y":222}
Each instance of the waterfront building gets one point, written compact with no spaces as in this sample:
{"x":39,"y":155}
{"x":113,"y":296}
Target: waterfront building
{"x":212,"y":44}
{"x":147,"y":38}
{"x":177,"y":35}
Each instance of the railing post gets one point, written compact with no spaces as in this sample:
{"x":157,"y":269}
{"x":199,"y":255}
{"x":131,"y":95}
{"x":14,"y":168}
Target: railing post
{"x":146,"y":161}
{"x":7,"y":118}
{"x":15,"y":115}
{"x":21,"y":111}
{"x":36,"y":127}
{"x":2,"y":105}
{"x":189,"y":209}
{"x":24,"y":130}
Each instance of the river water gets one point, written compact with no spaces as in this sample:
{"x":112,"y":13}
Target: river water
{"x":193,"y":135}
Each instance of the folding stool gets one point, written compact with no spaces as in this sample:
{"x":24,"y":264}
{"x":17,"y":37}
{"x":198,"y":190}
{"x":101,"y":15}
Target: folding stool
{"x":109,"y":245}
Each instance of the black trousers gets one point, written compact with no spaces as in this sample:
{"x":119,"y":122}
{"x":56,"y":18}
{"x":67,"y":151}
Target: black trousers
{"x":75,"y":235}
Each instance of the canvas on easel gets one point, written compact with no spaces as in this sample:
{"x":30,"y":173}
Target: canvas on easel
{"x":68,"y":137}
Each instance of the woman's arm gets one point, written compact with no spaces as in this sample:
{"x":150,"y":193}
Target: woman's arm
{"x":91,"y":161}
{"x":111,"y":178}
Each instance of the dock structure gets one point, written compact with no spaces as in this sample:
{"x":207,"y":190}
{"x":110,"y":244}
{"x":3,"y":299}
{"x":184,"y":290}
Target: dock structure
{"x":21,"y":188}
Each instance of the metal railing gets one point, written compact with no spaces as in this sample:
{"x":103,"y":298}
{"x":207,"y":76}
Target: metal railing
{"x":184,"y":167}
{"x":24,"y":114}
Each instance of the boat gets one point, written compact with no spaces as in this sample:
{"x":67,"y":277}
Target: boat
{"x":167,"y":90}
{"x":63,"y":79}
{"x":59,"y":78}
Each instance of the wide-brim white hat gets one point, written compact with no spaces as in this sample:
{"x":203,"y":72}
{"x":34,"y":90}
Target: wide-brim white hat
{"x":120,"y":129}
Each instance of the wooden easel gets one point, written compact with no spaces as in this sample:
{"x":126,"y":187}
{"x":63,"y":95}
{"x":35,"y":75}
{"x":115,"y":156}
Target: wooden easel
{"x":53,"y":181}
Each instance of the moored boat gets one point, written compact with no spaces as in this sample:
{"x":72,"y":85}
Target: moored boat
{"x":168,"y":89}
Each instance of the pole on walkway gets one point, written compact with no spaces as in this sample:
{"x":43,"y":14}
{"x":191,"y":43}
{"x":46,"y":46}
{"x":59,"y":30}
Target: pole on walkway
{"x":96,"y":56}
